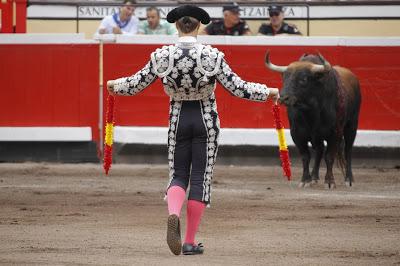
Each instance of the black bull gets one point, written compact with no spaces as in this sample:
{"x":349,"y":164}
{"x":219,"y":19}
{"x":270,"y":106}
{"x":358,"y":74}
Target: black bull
{"x":323,"y":104}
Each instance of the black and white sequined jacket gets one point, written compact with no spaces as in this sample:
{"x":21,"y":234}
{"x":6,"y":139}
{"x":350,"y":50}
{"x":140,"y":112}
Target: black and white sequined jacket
{"x":189,"y":71}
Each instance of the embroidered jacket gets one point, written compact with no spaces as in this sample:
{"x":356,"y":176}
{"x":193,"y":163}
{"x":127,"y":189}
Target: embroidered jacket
{"x":189,"y":71}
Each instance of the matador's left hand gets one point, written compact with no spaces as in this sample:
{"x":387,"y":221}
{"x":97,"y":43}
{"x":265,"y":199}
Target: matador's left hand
{"x":274,"y":92}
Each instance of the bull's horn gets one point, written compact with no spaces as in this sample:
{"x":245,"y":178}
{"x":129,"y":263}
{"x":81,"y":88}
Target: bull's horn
{"x":273,"y":67}
{"x":303,"y":56}
{"x":321,"y":68}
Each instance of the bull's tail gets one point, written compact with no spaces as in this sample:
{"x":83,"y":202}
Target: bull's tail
{"x":340,"y":159}
{"x":340,"y":114}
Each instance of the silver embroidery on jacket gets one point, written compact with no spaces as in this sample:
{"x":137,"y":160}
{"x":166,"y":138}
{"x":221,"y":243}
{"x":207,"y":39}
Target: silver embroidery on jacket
{"x":190,"y":74}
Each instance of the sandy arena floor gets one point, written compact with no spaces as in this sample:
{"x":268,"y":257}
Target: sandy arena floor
{"x":55,"y":214}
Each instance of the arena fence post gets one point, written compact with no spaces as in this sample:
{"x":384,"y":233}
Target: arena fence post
{"x":6,"y":7}
{"x":20,"y":16}
{"x":101,"y":108}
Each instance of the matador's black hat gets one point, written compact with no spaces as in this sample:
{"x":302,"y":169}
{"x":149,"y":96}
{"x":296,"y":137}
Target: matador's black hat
{"x":188,"y":11}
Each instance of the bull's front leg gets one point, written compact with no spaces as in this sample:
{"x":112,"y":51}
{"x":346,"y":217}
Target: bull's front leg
{"x":330,"y":159}
{"x":319,"y":151}
{"x":305,"y":157}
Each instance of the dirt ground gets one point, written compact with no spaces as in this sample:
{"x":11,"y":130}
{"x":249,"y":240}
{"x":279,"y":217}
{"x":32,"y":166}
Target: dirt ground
{"x":71,"y":214}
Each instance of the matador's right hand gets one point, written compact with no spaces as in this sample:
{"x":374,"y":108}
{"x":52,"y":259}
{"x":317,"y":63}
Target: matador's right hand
{"x":110,"y":87}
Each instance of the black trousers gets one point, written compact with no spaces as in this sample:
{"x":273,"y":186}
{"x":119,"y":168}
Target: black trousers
{"x":193,"y":145}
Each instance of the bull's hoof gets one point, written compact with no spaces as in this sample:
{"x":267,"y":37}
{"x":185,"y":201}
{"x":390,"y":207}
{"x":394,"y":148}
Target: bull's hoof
{"x":314,"y":182}
{"x":330,"y":185}
{"x":304,"y":184}
{"x":349,"y":184}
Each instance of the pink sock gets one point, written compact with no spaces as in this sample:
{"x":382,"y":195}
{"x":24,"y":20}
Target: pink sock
{"x":195,"y":210}
{"x":175,"y":196}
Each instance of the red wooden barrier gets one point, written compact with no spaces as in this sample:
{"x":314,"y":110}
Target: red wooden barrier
{"x":57,"y":84}
{"x":49,"y":85}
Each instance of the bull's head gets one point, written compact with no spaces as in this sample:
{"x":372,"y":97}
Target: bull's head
{"x":301,"y":79}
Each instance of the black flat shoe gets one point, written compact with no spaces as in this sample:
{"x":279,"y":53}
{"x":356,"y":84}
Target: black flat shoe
{"x":174,"y":234}
{"x":189,"y":249}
